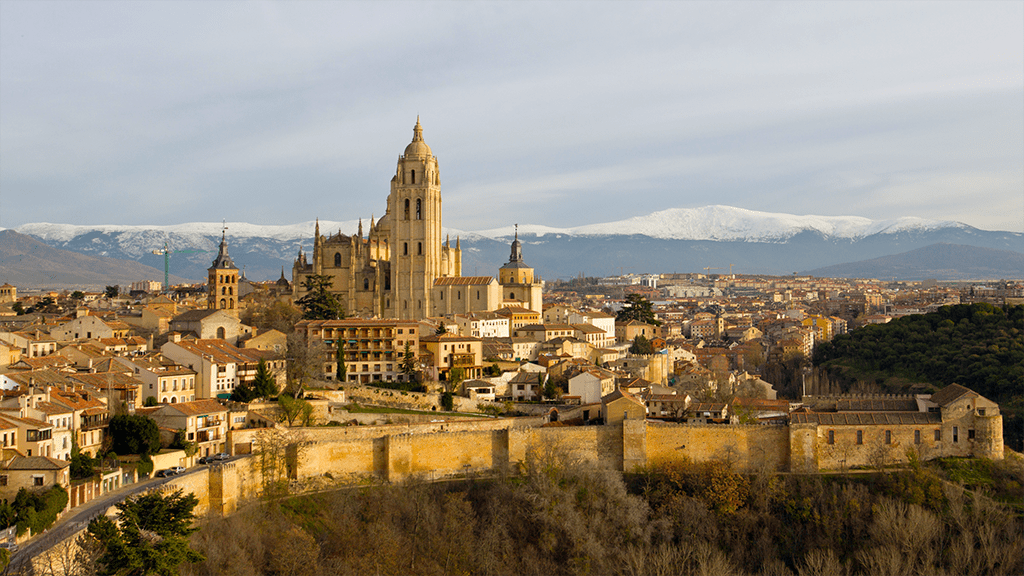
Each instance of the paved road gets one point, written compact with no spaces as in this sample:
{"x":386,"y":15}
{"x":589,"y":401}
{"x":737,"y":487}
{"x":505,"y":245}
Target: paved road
{"x":78,"y":518}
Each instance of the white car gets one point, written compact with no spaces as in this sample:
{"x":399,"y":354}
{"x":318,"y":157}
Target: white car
{"x":177,"y":469}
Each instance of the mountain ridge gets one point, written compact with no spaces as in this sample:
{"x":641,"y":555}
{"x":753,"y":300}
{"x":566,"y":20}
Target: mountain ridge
{"x":672,"y":240}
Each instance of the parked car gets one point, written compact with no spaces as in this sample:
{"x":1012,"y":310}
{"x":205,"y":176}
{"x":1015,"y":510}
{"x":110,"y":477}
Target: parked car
{"x":206,"y":459}
{"x":165,"y":473}
{"x":177,"y":469}
{"x":221,"y":456}
{"x":11,"y":547}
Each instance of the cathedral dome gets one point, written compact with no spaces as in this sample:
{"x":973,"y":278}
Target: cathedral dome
{"x":417,"y":148}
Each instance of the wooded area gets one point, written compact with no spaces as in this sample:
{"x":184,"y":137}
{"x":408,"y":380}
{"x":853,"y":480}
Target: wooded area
{"x":979,"y":346}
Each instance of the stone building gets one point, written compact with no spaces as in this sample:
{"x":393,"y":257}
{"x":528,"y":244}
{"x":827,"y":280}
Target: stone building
{"x":222,"y":282}
{"x":390,"y":273}
{"x":402,"y":267}
{"x":836,"y":433}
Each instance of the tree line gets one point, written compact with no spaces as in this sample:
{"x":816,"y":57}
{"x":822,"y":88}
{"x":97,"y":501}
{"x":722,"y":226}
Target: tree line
{"x":979,"y":346}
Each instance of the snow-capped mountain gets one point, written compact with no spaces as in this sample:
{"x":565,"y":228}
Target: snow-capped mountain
{"x":726,"y":223}
{"x":672,"y":240}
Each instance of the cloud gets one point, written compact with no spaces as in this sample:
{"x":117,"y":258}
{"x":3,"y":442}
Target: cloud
{"x":541,"y":113}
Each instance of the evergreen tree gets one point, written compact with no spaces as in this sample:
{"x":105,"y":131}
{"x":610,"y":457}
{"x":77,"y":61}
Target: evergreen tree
{"x":150,"y":536}
{"x":134,"y":434}
{"x":264,"y":385}
{"x":408,"y":361}
{"x":641,"y":345}
{"x":243,"y":393}
{"x":319,"y":303}
{"x":638,"y":308}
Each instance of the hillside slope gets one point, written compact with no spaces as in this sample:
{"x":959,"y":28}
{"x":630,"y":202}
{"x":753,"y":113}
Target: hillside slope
{"x":29,"y":264}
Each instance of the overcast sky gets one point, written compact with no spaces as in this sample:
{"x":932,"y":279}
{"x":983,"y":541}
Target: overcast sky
{"x":559,"y":114}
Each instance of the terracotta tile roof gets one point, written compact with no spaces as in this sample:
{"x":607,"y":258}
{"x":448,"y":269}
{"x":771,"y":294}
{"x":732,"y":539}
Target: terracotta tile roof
{"x":195,"y":408}
{"x":449,"y":337}
{"x":221,"y":351}
{"x":36,"y":463}
{"x":46,"y":361}
{"x":102,"y":381}
{"x":52,"y":408}
{"x":865,"y":418}
{"x":620,"y":393}
{"x":950,"y":393}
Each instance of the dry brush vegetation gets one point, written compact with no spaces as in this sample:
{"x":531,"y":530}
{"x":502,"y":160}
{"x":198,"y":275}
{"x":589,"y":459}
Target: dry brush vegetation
{"x":559,"y":517}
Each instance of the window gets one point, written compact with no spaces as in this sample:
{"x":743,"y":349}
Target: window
{"x":458,"y":294}
{"x":981,"y":411}
{"x":337,"y":259}
{"x":406,"y":208}
{"x":888,"y":436}
{"x":956,"y":434}
{"x":3,"y":480}
{"x":366,"y":283}
{"x":917,"y":436}
{"x":831,"y":436}
{"x":970,"y":434}
{"x":405,"y":248}
{"x":413,"y":177}
{"x":860,"y":436}
{"x":419,"y":209}
{"x":37,"y":480}
{"x":938,"y":435}
{"x":419,"y":248}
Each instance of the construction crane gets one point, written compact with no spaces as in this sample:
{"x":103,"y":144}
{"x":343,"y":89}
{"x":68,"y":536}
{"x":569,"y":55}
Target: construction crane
{"x":730,"y":269}
{"x":708,"y":268}
{"x":166,"y":252}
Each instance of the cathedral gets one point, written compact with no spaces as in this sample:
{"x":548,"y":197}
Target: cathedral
{"x":401,"y":267}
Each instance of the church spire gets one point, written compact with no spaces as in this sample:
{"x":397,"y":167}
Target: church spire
{"x":360,"y":228}
{"x":223,"y":258}
{"x":417,"y":131}
{"x":316,"y":234}
{"x":517,"y":248}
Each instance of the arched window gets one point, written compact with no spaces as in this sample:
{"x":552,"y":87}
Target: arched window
{"x":419,"y":248}
{"x":413,"y":177}
{"x":511,"y":295}
{"x":366,"y":283}
{"x":223,"y":303}
{"x":221,"y":333}
{"x":174,"y":400}
{"x":419,"y":209}
{"x":231,"y":303}
{"x":405,"y":248}
{"x":405,"y":304}
{"x":458,"y":294}
{"x":406,"y":208}
{"x":387,"y":302}
{"x":223,"y":290}
{"x":387,"y":284}
{"x":337,"y":259}
{"x":231,"y":290}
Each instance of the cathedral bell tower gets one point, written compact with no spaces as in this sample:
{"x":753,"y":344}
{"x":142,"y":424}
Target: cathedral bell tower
{"x":414,"y":209}
{"x":222,"y":282}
